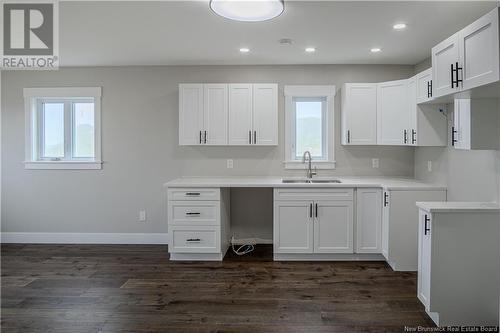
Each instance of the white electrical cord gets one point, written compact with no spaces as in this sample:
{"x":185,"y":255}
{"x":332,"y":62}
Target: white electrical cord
{"x":243,"y":248}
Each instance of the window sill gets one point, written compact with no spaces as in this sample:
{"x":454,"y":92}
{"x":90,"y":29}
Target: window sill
{"x":320,"y":165}
{"x":63,"y":165}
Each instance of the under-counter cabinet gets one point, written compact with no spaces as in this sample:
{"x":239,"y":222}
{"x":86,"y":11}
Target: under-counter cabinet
{"x":468,"y":59}
{"x":359,"y":114}
{"x":458,"y":266}
{"x":368,"y":220}
{"x":253,"y":114}
{"x":475,"y":124}
{"x":312,"y":221}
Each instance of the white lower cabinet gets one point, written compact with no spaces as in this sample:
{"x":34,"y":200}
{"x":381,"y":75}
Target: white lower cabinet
{"x":333,"y":226}
{"x":368,"y":220}
{"x":424,"y":257}
{"x":293,"y":227}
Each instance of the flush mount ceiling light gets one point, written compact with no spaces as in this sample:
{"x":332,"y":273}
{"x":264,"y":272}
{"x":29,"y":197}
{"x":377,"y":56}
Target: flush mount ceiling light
{"x":399,"y":26}
{"x":244,"y":50}
{"x":248,"y":10}
{"x":310,"y":49}
{"x":375,"y":50}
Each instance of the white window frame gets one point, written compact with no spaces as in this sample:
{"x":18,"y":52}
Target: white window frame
{"x":293,"y":93}
{"x":33,"y":97}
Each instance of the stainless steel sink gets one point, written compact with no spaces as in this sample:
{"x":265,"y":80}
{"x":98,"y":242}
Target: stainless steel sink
{"x":310,"y":181}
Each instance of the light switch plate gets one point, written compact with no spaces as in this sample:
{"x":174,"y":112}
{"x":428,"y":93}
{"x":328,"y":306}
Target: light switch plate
{"x":375,"y":163}
{"x":229,"y":164}
{"x":429,"y":166}
{"x":142,"y":216}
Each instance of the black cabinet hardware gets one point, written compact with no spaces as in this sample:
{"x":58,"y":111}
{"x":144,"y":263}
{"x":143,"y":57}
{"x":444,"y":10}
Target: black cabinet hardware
{"x":453,"y":134}
{"x":250,"y":137}
{"x":452,"y":80}
{"x":386,"y":196}
{"x":193,"y":193}
{"x":316,"y":210}
{"x":193,"y":240}
{"x":457,"y":80}
{"x":310,"y":210}
{"x":205,"y":136}
{"x":429,"y":89}
{"x":193,"y":213}
{"x":405,"y":136}
{"x":200,"y":137}
{"x":348,"y":136}
{"x":426,"y":220}
{"x":413,"y":136}
{"x":255,"y":137}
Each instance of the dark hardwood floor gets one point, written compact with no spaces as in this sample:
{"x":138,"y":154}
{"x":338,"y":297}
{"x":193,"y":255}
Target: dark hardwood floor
{"x":90,"y":288}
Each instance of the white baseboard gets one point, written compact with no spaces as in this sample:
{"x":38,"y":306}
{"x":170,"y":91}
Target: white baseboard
{"x":84,"y":238}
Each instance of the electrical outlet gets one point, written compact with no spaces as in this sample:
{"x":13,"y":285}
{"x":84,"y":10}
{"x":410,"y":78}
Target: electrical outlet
{"x":375,"y":163}
{"x":429,"y":166}
{"x":229,"y":164}
{"x":142,"y":216}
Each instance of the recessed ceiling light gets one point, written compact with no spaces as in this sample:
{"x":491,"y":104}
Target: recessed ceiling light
{"x":399,"y":26}
{"x":375,"y":50}
{"x":244,"y":50}
{"x":310,"y":49}
{"x":248,"y":11}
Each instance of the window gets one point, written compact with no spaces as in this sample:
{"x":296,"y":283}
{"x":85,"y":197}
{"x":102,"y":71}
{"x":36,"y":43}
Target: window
{"x":309,"y":125}
{"x":63,"y":128}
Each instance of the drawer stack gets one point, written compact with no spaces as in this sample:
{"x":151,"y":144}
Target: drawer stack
{"x":195,"y":222}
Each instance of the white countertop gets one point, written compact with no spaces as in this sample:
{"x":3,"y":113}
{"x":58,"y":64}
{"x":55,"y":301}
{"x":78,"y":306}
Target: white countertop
{"x":389,"y":183}
{"x":458,"y":206}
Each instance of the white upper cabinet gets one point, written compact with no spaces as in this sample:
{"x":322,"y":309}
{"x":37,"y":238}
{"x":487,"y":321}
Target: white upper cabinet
{"x":228,"y":114}
{"x":215,"y":114}
{"x":468,"y":59}
{"x":265,"y":114}
{"x":478,"y":44}
{"x":240,"y":114}
{"x":410,"y":135}
{"x":190,"y":114}
{"x":392,"y":112}
{"x":424,"y":86}
{"x":359,"y":114}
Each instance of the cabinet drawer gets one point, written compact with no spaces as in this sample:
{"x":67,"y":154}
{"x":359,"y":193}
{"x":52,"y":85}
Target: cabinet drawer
{"x":194,"y":213}
{"x":187,"y":239}
{"x":193,"y":194}
{"x":313,"y":194}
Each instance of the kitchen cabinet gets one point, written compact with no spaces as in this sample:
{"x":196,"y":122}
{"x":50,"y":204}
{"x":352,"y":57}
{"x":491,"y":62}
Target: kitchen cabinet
{"x":359,"y":114}
{"x":424,"y":86}
{"x":368,"y":220}
{"x":424,"y":257}
{"x":392,"y":112}
{"x":475,"y":124}
{"x":234,"y":114}
{"x":400,"y":225}
{"x":468,"y":59}
{"x":313,"y":221}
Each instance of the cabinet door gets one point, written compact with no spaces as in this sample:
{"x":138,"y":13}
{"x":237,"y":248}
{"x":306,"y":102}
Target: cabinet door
{"x":333,"y":227}
{"x":461,"y":124}
{"x":424,"y":258}
{"x":293,"y":227}
{"x":410,"y":136}
{"x":392,"y":112}
{"x":368,"y":220}
{"x":240,"y":114}
{"x":424,"y":86}
{"x":385,"y":224}
{"x":190,"y":114}
{"x":359,"y":109}
{"x":479,"y":49}
{"x":215,"y":114}
{"x":265,"y":114}
{"x":444,"y":55}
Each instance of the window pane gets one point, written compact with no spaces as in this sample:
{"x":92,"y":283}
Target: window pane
{"x":83,"y":130}
{"x":309,"y":127}
{"x":53,"y":130}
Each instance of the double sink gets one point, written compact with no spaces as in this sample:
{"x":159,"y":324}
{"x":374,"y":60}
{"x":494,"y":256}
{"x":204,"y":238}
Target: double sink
{"x":310,"y":181}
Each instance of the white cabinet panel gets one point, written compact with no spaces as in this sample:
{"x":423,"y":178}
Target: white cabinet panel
{"x":265,"y":114}
{"x":293,"y":227}
{"x":392,"y":112}
{"x":194,"y":239}
{"x":410,"y":136}
{"x":424,"y":86}
{"x":333,"y":227}
{"x":215,"y":114}
{"x":479,"y":47}
{"x":444,"y":55}
{"x":190,"y":114}
{"x":240,"y":114}
{"x":424,"y":257}
{"x":359,"y":114}
{"x":368,"y":220}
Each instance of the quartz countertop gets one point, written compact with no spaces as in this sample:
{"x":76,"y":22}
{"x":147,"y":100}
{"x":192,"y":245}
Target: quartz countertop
{"x":458,"y":206}
{"x":389,"y":183}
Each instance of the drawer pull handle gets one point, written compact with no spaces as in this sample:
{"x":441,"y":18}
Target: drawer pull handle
{"x":193,"y":213}
{"x":193,"y":240}
{"x":192,"y":193}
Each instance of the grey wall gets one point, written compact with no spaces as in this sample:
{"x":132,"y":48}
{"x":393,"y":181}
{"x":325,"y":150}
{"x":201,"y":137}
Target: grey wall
{"x":140,"y":150}
{"x":469,"y":175}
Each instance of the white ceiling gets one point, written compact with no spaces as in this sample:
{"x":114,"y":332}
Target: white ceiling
{"x":119,"y":33}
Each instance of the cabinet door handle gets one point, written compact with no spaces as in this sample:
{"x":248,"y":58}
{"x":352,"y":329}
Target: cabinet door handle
{"x":250,"y":137}
{"x":405,"y":136}
{"x":316,"y":210}
{"x":426,"y":220}
{"x":193,"y":213}
{"x":453,"y":132}
{"x":457,"y":80}
{"x":200,"y":137}
{"x":413,"y":136}
{"x":348,"y":136}
{"x":430,"y":90}
{"x":254,"y":137}
{"x":386,"y":202}
{"x":192,"y":240}
{"x":310,"y":210}
{"x":452,"y":81}
{"x":193,"y":194}
{"x":205,"y":136}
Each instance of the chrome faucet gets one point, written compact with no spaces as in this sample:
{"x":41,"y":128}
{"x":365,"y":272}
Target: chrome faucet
{"x":309,"y":173}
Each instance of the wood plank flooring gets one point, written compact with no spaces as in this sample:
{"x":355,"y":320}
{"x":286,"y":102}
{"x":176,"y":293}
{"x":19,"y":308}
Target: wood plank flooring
{"x":134,"y":288}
